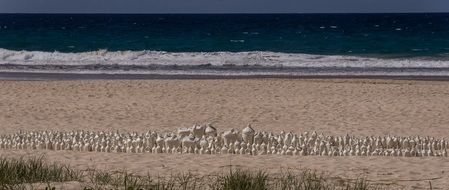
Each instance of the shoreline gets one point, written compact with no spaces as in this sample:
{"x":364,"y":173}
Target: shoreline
{"x":37,"y":76}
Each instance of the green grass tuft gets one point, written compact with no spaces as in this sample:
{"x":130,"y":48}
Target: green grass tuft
{"x":14,"y":172}
{"x":242,"y":180}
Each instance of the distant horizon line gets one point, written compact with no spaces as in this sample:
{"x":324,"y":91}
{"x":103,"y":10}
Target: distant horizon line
{"x":236,"y":13}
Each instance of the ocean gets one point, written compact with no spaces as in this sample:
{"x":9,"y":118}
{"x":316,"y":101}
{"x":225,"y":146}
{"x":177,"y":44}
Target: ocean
{"x":226,"y":44}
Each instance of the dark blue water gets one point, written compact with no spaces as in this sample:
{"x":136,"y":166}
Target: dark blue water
{"x":389,"y":35}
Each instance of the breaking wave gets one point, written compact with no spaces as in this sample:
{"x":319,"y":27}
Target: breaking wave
{"x":215,"y":63}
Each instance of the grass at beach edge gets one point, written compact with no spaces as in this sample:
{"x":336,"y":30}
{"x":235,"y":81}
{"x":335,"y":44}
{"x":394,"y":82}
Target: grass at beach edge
{"x":37,"y":173}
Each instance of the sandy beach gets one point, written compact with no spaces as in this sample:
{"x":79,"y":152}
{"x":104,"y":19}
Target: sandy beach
{"x":360,"y":107}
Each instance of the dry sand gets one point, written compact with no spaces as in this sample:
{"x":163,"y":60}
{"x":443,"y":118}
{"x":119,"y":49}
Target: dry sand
{"x":332,"y":106}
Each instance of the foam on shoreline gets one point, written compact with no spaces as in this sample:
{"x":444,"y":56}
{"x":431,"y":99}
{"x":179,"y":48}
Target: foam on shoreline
{"x":216,"y":63}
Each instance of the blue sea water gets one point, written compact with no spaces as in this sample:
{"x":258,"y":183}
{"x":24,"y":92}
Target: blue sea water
{"x":289,"y":40}
{"x":354,"y":34}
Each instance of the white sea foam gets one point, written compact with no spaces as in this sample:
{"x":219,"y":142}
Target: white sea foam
{"x":215,"y":59}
